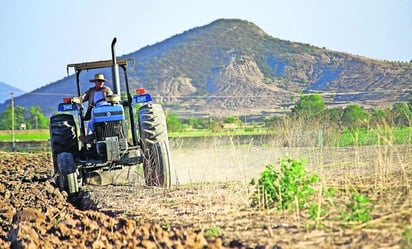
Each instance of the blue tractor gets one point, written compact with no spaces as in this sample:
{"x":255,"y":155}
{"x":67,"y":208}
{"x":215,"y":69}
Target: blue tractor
{"x":128,"y":131}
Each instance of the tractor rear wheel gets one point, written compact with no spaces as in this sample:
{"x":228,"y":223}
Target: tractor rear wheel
{"x":155,"y":143}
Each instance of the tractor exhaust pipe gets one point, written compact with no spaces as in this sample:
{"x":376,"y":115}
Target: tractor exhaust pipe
{"x":115,"y":70}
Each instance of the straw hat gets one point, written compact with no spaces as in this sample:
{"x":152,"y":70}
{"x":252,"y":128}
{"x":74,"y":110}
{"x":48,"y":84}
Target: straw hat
{"x":98,"y":77}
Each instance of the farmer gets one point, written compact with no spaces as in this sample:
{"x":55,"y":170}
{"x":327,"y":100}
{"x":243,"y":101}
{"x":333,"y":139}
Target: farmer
{"x":94,"y":94}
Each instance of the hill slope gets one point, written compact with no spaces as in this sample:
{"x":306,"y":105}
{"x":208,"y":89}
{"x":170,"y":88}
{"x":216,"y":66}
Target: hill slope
{"x":6,"y":90}
{"x":232,"y":67}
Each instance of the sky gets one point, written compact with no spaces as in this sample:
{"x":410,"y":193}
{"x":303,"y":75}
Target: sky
{"x":38,"y":38}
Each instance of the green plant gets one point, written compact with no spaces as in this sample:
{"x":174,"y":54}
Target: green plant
{"x":6,"y":117}
{"x":212,"y":232}
{"x":401,"y":114}
{"x":173,"y":122}
{"x":406,"y":242}
{"x":315,"y":211}
{"x":292,"y":185}
{"x":359,"y":137}
{"x":37,"y":119}
{"x":165,"y":225}
{"x":309,"y":105}
{"x":33,"y":119}
{"x":57,"y":220}
{"x":318,"y":210}
{"x":358,"y":209}
{"x":138,"y":169}
{"x":354,"y":116}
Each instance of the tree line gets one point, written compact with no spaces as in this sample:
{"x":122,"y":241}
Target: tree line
{"x":23,"y":119}
{"x":310,"y":107}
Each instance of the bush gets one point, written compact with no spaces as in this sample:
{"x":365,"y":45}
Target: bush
{"x":289,"y":187}
{"x":173,"y":123}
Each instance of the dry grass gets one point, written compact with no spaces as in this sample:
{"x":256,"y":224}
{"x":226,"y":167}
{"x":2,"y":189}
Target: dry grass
{"x":213,"y":193}
{"x":383,"y":173}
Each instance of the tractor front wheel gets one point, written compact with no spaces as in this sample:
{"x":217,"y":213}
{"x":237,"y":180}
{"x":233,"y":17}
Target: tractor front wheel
{"x":67,"y":179}
{"x":63,"y":136}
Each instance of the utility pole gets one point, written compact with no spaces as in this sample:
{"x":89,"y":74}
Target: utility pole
{"x":13,"y":146}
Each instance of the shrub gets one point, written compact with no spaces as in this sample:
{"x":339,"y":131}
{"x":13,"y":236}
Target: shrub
{"x":291,"y":186}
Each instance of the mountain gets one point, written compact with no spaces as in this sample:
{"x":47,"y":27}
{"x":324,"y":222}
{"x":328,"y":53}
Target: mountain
{"x":232,"y":67}
{"x":6,"y":90}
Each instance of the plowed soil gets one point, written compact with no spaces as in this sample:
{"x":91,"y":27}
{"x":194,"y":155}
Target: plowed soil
{"x":209,"y":204}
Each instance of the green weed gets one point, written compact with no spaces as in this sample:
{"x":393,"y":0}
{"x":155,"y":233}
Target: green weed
{"x":292,"y":185}
{"x":358,"y":209}
{"x":212,"y":232}
{"x":138,"y":169}
{"x":165,"y":225}
{"x":406,"y":242}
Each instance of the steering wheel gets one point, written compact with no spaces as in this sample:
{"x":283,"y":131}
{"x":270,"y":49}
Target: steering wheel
{"x":100,"y":100}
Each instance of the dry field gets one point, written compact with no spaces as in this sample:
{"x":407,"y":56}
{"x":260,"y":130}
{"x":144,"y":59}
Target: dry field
{"x":209,"y":205}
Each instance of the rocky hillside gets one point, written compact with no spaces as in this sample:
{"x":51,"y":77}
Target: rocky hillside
{"x":233,"y":67}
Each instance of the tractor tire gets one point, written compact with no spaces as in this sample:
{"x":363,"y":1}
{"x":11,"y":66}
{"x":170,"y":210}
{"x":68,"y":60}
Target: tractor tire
{"x":67,"y":179}
{"x":155,"y":145}
{"x":63,"y":136}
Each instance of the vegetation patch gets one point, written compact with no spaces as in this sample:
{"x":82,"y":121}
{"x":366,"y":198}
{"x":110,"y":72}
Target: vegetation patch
{"x":291,"y":186}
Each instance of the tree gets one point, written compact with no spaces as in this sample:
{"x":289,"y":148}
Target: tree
{"x":401,"y":114}
{"x":215,"y":126}
{"x":6,"y":118}
{"x":173,"y":122}
{"x":354,"y":116}
{"x":232,"y":120}
{"x":37,"y":120}
{"x":332,"y":117}
{"x":379,"y":117}
{"x":409,"y":100}
{"x":197,"y":123}
{"x":310,"y":105}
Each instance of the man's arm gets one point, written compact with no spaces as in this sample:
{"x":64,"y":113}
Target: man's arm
{"x":81,"y":98}
{"x":108,"y":90}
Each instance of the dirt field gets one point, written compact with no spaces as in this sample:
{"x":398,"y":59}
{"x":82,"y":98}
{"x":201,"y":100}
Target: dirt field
{"x":209,"y":205}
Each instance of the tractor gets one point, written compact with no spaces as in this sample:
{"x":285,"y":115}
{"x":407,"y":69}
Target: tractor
{"x":129,"y":133}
